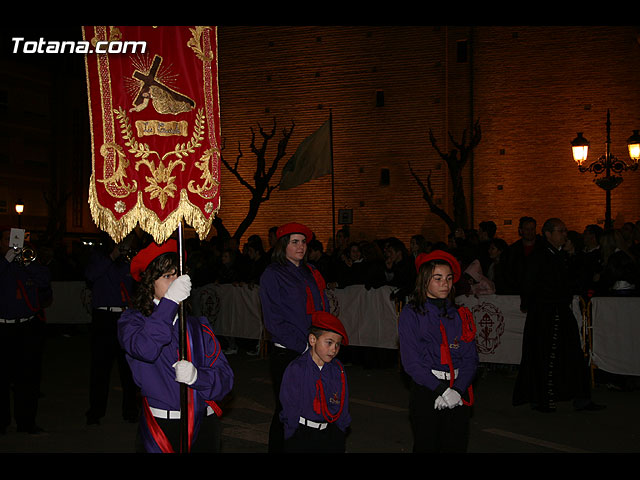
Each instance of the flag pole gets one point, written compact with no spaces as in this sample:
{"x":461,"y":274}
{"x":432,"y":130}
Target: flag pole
{"x":184,"y":392}
{"x":333,"y":192}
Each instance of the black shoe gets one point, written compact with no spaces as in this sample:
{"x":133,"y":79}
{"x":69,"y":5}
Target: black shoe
{"x":545,"y":409}
{"x":34,"y":430}
{"x":590,"y":407}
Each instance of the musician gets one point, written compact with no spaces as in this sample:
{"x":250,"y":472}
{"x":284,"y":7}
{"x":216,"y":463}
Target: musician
{"x":25,"y":291}
{"x":150,"y":334}
{"x":109,"y":278}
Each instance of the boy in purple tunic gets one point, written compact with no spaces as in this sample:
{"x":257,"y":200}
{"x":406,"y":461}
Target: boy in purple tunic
{"x":438,"y":352}
{"x":149,"y":334}
{"x":314,"y":392}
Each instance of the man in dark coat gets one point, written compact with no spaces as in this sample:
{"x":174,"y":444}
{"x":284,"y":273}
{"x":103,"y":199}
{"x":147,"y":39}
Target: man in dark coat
{"x":553,"y":366}
{"x":520,"y":250}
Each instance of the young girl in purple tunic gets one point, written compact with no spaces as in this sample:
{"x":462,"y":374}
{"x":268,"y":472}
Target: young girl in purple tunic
{"x":438,"y":351}
{"x":149,"y":334}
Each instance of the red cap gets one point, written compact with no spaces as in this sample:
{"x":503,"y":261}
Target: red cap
{"x":440,"y":255}
{"x":330,"y":322}
{"x":294,"y":228}
{"x":141,"y":261}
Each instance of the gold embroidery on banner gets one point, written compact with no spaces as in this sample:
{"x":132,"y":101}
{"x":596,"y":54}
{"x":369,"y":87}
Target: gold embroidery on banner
{"x":164,"y":99}
{"x":163,"y":129}
{"x":114,"y":36}
{"x":195,"y":43}
{"x":114,"y":183}
{"x":210,"y":186}
{"x":161,"y":174}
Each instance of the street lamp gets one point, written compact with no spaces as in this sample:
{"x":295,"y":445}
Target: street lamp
{"x":607,"y":165}
{"x":19,"y":210}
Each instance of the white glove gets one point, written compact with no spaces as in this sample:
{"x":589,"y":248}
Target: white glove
{"x":11,"y":254}
{"x":179,"y":289}
{"x":185,"y":372}
{"x":452,"y":398}
{"x":439,"y":404}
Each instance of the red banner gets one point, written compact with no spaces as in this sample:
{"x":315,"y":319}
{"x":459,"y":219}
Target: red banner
{"x":155,"y":125}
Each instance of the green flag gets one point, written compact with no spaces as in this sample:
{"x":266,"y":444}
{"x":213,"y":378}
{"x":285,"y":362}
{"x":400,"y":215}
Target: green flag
{"x":311,"y":160}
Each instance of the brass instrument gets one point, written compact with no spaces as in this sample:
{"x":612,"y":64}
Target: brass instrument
{"x":25,"y":255}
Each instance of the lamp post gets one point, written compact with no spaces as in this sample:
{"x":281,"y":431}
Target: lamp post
{"x":607,"y":168}
{"x":19,"y":210}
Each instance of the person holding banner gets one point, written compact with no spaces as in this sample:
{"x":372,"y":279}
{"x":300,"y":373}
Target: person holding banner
{"x":290,"y":291}
{"x":149,"y":334}
{"x":438,"y":352}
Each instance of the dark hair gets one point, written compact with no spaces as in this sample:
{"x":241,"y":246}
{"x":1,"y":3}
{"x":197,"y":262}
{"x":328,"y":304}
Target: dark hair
{"x":279,"y":254}
{"x":595,"y":230}
{"x":315,"y":245}
{"x":550,"y":225}
{"x":524,"y":220}
{"x":489,"y":227}
{"x":500,"y":244}
{"x":318,"y":332}
{"x":425,"y":272}
{"x":255,"y":242}
{"x":144,"y":294}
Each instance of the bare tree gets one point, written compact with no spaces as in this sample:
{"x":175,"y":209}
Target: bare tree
{"x":260,"y":188}
{"x":456,"y":160}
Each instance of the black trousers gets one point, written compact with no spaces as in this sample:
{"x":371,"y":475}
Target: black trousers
{"x":437,"y":431}
{"x":105,"y":352}
{"x":313,"y":440}
{"x":279,"y":360}
{"x":21,"y":349}
{"x":208,"y":440}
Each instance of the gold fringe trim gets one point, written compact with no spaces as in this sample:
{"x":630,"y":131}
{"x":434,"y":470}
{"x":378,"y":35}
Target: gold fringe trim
{"x":147,"y":219}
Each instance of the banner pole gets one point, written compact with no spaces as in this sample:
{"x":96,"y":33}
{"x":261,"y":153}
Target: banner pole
{"x":184,"y":391}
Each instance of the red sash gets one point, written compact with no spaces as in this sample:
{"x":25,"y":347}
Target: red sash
{"x":320,"y":402}
{"x":468,"y":335}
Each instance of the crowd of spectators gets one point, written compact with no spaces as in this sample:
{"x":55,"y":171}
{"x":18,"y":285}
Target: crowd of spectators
{"x":606,"y":262}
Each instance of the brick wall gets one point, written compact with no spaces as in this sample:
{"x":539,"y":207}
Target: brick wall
{"x":532,"y":89}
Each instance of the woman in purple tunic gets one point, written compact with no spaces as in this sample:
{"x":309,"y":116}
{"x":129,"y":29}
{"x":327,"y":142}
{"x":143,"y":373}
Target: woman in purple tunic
{"x":438,"y":352}
{"x":149,"y":334}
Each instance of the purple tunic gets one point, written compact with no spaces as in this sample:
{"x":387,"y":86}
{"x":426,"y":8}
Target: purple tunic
{"x":420,"y":339}
{"x":283,"y":295}
{"x":152,"y":347}
{"x":298,"y":393}
{"x":111,"y":281}
{"x":24,"y":290}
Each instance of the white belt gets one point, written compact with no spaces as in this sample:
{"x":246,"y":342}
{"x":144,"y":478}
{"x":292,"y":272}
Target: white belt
{"x":173,"y":414}
{"x":309,"y":423}
{"x":112,"y":309}
{"x":15,"y":320}
{"x":444,"y":375}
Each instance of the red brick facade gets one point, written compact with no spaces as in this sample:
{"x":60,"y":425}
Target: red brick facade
{"x":531,"y":88}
